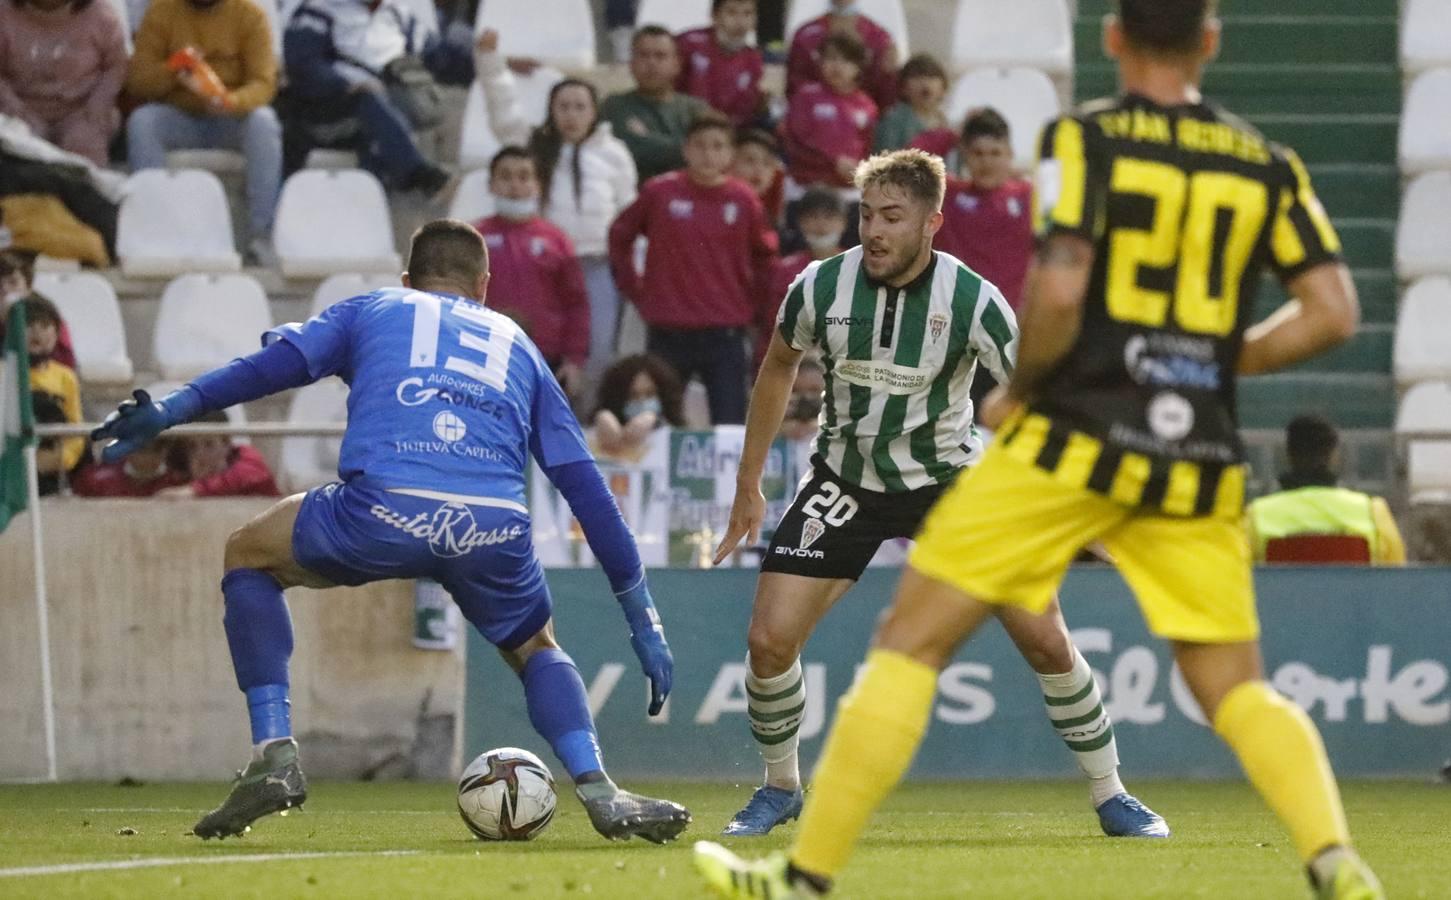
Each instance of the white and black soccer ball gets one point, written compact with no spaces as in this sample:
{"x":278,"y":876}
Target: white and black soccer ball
{"x":506,"y":795}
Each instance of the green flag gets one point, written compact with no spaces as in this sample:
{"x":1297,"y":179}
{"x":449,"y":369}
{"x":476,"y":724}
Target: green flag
{"x":16,"y":423}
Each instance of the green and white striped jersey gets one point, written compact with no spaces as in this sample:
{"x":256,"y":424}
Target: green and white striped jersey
{"x":899,"y":362}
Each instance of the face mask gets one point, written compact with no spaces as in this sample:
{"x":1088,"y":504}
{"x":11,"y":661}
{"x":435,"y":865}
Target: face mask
{"x":851,"y":9}
{"x":644,"y":405}
{"x":821,"y":243}
{"x":527,"y":208}
{"x":803,"y":408}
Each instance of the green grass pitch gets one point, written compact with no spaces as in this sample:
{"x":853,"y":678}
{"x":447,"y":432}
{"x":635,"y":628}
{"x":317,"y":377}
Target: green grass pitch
{"x":1008,"y":840}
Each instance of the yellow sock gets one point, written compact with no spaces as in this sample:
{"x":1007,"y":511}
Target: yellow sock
{"x":1282,"y":754}
{"x":878,"y":727}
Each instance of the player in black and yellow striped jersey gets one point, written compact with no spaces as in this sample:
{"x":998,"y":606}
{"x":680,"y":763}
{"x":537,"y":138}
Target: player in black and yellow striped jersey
{"x":1157,"y":214}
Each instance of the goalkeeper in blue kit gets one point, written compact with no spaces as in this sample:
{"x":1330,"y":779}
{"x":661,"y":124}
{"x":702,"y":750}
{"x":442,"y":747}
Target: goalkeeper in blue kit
{"x":447,"y":402}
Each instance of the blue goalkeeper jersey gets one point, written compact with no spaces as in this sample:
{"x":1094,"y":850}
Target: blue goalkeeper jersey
{"x":446,"y":395}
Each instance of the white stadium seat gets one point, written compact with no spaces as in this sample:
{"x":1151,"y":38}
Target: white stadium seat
{"x":207,"y":320}
{"x":332,"y":221}
{"x":346,"y":285}
{"x":1025,"y":97}
{"x":88,"y":304}
{"x":1425,"y":127}
{"x":1422,"y":247}
{"x":223,"y":162}
{"x":1423,"y":332}
{"x":1427,"y":407}
{"x":1034,"y":33}
{"x":329,"y":158}
{"x":887,"y":13}
{"x":477,"y":142}
{"x":472,"y":201}
{"x":173,"y":222}
{"x":310,"y":461}
{"x":676,"y":15}
{"x":1425,"y":35}
{"x":558,"y":32}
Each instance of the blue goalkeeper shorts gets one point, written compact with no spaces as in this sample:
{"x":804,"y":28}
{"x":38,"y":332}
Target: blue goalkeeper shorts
{"x":479,"y":548}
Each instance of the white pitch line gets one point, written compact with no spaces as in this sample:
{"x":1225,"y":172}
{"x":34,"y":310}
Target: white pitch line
{"x":113,"y":865}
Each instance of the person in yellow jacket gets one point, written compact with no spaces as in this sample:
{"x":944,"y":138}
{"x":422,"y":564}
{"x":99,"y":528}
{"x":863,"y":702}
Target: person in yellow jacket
{"x":53,"y":379}
{"x":1310,"y":502}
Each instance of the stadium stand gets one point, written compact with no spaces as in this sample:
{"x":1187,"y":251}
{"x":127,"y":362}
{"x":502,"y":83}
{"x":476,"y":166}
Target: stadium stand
{"x":1427,"y":407}
{"x":1421,"y":244}
{"x":1033,"y":33}
{"x":1425,"y":134}
{"x":887,"y":13}
{"x":676,"y":15}
{"x":1425,"y":36}
{"x":1025,"y":97}
{"x":88,"y":304}
{"x":206,"y":320}
{"x":477,"y":141}
{"x":175,"y":221}
{"x":472,"y":201}
{"x":332,"y":221}
{"x":310,"y":461}
{"x":220,"y":162}
{"x":1423,"y":332}
{"x":568,"y":40}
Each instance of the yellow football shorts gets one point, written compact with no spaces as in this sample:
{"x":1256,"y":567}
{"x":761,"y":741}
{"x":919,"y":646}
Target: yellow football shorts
{"x":1006,"y":532}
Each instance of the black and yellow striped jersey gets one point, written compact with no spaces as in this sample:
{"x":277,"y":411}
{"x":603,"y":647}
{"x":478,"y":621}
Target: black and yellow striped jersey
{"x":1185,"y":206}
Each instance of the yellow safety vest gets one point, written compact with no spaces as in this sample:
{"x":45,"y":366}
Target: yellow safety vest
{"x":1316,"y":510}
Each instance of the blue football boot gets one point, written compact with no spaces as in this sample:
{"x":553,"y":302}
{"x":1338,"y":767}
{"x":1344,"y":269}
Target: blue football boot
{"x":769,"y":807}
{"x":1123,"y":816}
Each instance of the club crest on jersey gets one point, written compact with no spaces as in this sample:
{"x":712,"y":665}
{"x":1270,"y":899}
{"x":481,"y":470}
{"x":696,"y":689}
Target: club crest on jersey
{"x":681,"y":209}
{"x":731,"y":211}
{"x":936,"y":324}
{"x":811,"y":532}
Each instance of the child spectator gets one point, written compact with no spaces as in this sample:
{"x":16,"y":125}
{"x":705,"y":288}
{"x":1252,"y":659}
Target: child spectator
{"x":758,"y":163}
{"x":821,"y":217}
{"x":637,"y":395}
{"x":879,"y":66}
{"x":216,"y":468}
{"x":17,"y":277}
{"x":803,"y":407}
{"x":143,"y":473}
{"x":62,"y":63}
{"x":235,"y":40}
{"x":534,"y":275}
{"x":53,"y":379}
{"x":46,"y":410}
{"x":829,"y":124}
{"x":653,"y":118}
{"x":719,"y":66}
{"x":587,"y":176}
{"x":918,"y":115}
{"x":710,"y":245}
{"x":987,"y":218}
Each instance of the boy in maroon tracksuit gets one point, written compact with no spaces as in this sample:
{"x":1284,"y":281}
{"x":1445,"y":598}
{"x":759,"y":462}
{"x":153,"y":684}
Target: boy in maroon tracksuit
{"x":719,"y":67}
{"x":821,"y":217}
{"x":879,"y":68}
{"x":829,"y":124}
{"x":710,"y":244}
{"x":535,"y":276}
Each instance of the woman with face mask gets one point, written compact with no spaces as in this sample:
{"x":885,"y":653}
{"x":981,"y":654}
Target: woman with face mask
{"x":586,"y":175}
{"x":637,"y":395}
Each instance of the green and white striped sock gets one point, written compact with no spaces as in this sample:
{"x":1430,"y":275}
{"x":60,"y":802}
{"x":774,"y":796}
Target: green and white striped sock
{"x":1075,"y":708}
{"x":776,"y":707}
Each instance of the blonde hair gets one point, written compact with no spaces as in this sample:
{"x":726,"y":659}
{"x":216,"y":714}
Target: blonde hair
{"x":919,"y":173}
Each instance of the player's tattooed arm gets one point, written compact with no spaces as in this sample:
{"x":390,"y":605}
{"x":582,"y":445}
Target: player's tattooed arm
{"x":1052,"y":311}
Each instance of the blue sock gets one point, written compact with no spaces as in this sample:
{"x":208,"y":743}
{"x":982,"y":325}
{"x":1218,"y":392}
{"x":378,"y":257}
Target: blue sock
{"x":259,"y":633}
{"x":559,"y":711}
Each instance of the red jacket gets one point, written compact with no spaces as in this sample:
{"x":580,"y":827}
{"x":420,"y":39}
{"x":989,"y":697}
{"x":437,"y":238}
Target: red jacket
{"x":710,"y":249}
{"x":246,"y":475}
{"x":879,"y":77}
{"x":729,"y":80}
{"x":111,"y":480}
{"x":991,"y":231}
{"x":778,"y":282}
{"x":538,"y":282}
{"x":821,"y":126}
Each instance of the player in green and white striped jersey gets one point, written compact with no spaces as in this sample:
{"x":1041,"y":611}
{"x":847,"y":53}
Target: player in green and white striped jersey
{"x":901,"y":330}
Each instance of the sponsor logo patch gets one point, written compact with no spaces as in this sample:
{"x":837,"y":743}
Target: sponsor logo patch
{"x":451,"y":531}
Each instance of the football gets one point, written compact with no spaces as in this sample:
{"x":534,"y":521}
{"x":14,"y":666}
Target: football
{"x":506,"y":794}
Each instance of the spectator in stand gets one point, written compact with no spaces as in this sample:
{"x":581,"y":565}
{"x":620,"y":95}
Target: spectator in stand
{"x":46,"y":410}
{"x":620,"y":27}
{"x":143,"y":473}
{"x":637,"y":395}
{"x":17,"y":278}
{"x":177,"y":113}
{"x":758,"y":163}
{"x":918,"y":120}
{"x":216,"y":468}
{"x":1310,"y":502}
{"x":829,"y":124}
{"x":987,"y":218}
{"x":653,"y":118}
{"x":62,"y":63}
{"x":534,"y":277}
{"x":54,"y":380}
{"x":720,"y":67}
{"x":587,"y":177}
{"x":803,"y":408}
{"x":343,"y":58}
{"x":879,"y":67}
{"x":710,"y":246}
{"x":822,"y":219}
